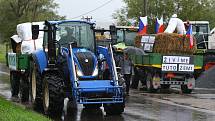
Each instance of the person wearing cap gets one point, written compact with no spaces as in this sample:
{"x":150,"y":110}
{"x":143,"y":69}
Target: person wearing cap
{"x":127,"y":71}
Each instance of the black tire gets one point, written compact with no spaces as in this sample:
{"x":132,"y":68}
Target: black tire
{"x":149,"y":83}
{"x":24,"y":87}
{"x":15,"y":83}
{"x":135,"y":79}
{"x":185,"y":89}
{"x":92,"y":106}
{"x":35,"y":87}
{"x":53,"y":98}
{"x":114,"y":109}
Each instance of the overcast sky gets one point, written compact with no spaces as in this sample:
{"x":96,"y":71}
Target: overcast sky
{"x":74,"y":8}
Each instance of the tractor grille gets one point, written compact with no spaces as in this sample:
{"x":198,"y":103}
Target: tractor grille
{"x":86,"y":67}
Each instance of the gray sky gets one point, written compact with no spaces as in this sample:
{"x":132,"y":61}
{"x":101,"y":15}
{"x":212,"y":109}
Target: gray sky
{"x":74,"y":8}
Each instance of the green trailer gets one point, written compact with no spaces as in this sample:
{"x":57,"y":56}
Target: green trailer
{"x":19,"y":65}
{"x":159,"y":71}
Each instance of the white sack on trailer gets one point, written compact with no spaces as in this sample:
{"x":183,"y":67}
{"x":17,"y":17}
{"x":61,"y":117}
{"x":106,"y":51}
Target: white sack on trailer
{"x":175,"y":24}
{"x":25,"y":33}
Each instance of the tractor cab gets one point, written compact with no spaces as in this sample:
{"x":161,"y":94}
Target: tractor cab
{"x":201,"y":31}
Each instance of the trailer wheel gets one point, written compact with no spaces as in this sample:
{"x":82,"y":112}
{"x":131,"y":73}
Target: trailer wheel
{"x":24,"y":88}
{"x":15,"y":82}
{"x":53,"y":98}
{"x":35,"y":87}
{"x":149,"y":83}
{"x":114,"y":109}
{"x":185,"y":89}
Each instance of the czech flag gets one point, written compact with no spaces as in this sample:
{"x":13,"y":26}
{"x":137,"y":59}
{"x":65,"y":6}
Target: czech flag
{"x":143,"y":25}
{"x":159,"y":27}
{"x":189,"y":34}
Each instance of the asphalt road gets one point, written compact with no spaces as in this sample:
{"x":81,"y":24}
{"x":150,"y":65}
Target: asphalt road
{"x":140,"y":106}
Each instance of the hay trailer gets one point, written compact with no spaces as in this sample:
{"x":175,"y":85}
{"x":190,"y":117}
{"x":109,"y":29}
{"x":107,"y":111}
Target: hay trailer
{"x":161,"y":70}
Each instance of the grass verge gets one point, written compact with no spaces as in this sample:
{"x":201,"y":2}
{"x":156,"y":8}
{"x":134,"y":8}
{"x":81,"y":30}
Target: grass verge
{"x":12,"y":112}
{"x":2,"y":53}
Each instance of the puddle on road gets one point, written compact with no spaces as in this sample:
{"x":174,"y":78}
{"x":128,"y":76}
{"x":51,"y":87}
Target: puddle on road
{"x":5,"y":85}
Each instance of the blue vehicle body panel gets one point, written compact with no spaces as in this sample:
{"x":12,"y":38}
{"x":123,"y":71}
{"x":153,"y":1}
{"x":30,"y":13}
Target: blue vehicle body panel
{"x":104,"y":51}
{"x":78,"y":50}
{"x":67,"y":21}
{"x":41,"y":59}
{"x":94,"y":85}
{"x":97,"y":87}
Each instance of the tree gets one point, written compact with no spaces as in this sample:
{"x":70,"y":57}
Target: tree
{"x":192,"y":10}
{"x":13,"y":12}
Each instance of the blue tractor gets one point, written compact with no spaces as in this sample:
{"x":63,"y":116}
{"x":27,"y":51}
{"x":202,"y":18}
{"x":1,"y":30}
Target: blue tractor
{"x":71,"y":65}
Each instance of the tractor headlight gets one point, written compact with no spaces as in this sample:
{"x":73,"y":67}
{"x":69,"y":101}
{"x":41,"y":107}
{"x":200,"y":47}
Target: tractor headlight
{"x":95,"y":72}
{"x":79,"y":72}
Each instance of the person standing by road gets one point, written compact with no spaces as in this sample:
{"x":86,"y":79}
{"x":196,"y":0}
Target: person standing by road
{"x":127,"y":71}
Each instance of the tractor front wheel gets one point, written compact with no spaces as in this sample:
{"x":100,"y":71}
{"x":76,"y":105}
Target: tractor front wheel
{"x":53,"y":98}
{"x":114,"y":109}
{"x":92,"y":106}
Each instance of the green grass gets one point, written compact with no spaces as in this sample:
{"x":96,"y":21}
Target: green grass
{"x":2,"y":53}
{"x":12,"y":112}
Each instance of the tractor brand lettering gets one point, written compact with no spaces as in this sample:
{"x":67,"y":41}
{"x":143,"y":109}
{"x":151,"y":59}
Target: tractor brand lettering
{"x":176,"y":59}
{"x":169,"y":67}
{"x":186,"y":67}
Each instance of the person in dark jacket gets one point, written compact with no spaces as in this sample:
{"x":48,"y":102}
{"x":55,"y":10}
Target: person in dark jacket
{"x":127,"y":70}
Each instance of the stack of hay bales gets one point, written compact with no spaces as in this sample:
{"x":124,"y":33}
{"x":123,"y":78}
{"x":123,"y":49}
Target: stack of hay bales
{"x":166,"y":43}
{"x":170,"y":43}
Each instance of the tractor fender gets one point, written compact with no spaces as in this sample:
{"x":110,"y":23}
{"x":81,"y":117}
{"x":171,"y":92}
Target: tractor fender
{"x":40,"y":59}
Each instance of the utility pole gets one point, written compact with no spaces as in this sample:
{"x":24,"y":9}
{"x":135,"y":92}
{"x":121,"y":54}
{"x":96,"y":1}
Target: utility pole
{"x":145,"y":7}
{"x":88,"y":19}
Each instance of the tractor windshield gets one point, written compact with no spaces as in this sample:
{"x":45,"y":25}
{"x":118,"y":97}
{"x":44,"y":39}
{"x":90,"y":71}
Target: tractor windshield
{"x":80,"y":33}
{"x":201,"y":32}
{"x":126,"y":36}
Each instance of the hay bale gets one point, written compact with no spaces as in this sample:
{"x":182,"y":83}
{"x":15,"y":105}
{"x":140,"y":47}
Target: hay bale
{"x":166,"y":43}
{"x":173,"y":44}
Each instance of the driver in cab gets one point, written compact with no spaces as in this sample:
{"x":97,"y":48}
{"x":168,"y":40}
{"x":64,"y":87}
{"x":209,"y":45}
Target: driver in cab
{"x":68,"y":38}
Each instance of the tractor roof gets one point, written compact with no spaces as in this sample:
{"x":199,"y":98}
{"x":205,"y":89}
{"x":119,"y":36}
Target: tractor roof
{"x":68,"y":21}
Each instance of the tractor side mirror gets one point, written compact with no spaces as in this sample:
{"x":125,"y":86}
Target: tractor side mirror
{"x":35,"y":31}
{"x":113,"y":33}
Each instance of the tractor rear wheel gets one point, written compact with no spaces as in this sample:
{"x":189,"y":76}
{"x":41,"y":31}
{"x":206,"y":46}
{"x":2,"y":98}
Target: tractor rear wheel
{"x":114,"y":109}
{"x":35,"y":87}
{"x":53,"y":98}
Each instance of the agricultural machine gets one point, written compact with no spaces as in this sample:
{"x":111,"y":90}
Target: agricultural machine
{"x":205,"y":44}
{"x":71,"y":65}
